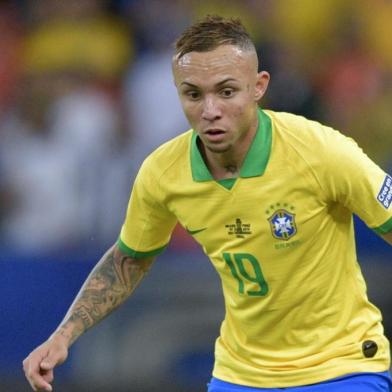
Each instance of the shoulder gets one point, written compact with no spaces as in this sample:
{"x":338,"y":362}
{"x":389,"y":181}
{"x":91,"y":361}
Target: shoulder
{"x":308,"y":137}
{"x":316,"y":149}
{"x":301,"y":128}
{"x":170,"y":156}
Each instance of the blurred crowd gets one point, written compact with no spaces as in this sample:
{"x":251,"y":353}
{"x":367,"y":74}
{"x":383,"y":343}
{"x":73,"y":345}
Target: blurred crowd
{"x":86,"y":93}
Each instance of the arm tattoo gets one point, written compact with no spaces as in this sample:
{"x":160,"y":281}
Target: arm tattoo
{"x":109,"y":284}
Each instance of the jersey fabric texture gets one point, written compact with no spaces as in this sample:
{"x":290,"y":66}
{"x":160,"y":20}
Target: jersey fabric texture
{"x":281,"y":237}
{"x":362,"y":382}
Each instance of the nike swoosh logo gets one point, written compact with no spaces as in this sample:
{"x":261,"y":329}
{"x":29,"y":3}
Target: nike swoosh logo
{"x":193,"y":232}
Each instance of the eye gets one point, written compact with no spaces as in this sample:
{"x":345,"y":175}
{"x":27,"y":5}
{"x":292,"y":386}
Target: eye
{"x":193,"y":95}
{"x":227,"y":92}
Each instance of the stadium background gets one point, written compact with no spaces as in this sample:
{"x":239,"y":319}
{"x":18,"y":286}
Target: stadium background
{"x":86,"y":92}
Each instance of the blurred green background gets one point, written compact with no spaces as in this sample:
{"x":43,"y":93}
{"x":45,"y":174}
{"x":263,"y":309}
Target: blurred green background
{"x":86,"y":93}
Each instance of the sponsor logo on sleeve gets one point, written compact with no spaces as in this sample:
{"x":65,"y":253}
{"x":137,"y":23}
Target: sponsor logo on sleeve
{"x":385,"y":194}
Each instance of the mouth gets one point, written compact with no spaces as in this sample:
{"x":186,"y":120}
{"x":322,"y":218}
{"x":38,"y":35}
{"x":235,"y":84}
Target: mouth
{"x":214,"y":135}
{"x":214,"y":132}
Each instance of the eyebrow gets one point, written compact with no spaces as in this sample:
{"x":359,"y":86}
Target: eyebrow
{"x":218,"y":84}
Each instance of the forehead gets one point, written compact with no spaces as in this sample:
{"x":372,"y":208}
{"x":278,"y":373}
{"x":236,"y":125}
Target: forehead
{"x":224,"y":61}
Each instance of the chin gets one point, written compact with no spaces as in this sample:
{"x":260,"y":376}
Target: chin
{"x":218,"y":149}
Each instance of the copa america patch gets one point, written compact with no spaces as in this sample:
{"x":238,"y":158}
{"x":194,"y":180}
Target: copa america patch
{"x":385,"y":194}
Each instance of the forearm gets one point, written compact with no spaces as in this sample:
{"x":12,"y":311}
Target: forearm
{"x":109,"y":284}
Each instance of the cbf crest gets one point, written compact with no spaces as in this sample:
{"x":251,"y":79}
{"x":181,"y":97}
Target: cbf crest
{"x":282,"y":224}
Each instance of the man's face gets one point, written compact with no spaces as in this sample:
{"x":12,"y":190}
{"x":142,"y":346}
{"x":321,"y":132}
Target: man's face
{"x":219,"y":91}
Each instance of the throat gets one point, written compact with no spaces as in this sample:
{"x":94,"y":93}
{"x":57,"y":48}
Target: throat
{"x":232,"y":170}
{"x":221,"y":166}
{"x":225,"y":172}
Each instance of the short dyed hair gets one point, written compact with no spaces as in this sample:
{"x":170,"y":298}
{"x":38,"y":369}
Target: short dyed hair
{"x":213,"y":31}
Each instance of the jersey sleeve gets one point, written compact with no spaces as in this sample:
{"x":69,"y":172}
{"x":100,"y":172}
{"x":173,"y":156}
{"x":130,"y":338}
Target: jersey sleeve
{"x":355,"y":181}
{"x":148,"y":223}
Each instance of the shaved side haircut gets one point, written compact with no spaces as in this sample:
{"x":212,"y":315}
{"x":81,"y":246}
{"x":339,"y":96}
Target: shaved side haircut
{"x":213,"y":31}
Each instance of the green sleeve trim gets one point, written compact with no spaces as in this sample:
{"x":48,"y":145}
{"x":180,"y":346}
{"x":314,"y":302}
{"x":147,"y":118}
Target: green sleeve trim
{"x":385,"y":228}
{"x":139,"y":255}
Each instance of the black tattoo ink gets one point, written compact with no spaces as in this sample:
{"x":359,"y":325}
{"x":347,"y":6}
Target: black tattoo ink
{"x":109,"y":284}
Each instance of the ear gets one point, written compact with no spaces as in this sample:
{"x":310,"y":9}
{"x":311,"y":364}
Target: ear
{"x":262,"y":81}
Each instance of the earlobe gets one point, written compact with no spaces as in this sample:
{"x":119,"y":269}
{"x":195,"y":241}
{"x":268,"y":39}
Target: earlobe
{"x":259,"y":93}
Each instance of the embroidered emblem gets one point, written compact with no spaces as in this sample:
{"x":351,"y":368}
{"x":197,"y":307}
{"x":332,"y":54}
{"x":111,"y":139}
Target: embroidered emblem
{"x":282,"y":224}
{"x":238,"y":229}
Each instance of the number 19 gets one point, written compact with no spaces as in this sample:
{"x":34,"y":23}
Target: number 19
{"x":238,"y":264}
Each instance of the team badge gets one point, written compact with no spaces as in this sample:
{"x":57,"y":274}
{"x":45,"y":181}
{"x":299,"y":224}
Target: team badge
{"x":282,"y":224}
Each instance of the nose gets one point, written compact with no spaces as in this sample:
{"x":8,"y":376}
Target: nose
{"x":211,"y":110}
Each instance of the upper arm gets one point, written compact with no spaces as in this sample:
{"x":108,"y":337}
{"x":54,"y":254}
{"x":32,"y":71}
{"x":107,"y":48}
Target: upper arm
{"x":143,"y":263}
{"x":355,"y":181}
{"x":129,"y":270}
{"x":148,"y":223}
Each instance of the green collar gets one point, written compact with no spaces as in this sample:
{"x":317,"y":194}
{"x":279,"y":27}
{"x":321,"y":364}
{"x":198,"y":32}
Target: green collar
{"x":256,"y":158}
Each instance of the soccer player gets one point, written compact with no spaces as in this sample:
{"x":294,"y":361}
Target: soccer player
{"x":270,"y":197}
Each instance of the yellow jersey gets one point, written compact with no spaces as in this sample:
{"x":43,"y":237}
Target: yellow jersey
{"x":281,"y":238}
